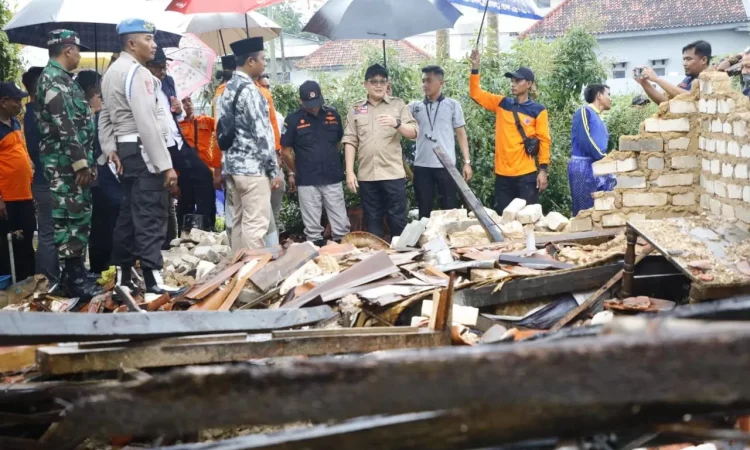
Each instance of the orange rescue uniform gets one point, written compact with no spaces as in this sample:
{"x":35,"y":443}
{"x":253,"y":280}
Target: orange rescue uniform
{"x":16,"y":168}
{"x":202,"y":127}
{"x":511,"y":159}
{"x":271,"y":115}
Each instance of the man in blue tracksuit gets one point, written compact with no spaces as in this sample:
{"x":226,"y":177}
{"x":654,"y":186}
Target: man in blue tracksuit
{"x":589,"y":138}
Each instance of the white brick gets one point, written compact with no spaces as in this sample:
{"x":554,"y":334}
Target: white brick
{"x":556,"y":221}
{"x":742,"y":213}
{"x":705,"y":201}
{"x":711,"y":106}
{"x":740,"y":128}
{"x":720,"y":189}
{"x":745,"y":151}
{"x":677,"y":179}
{"x":708,"y":185}
{"x":682,"y":107}
{"x":511,"y":211}
{"x":721,"y":147}
{"x":715,"y":207}
{"x":631,"y":199}
{"x":626,"y":182}
{"x":725,"y":106}
{"x":613,"y":220}
{"x":740,"y":171}
{"x":733,"y":148}
{"x":687,"y":199}
{"x":727,"y":128}
{"x":627,"y":165}
{"x":727,"y":170}
{"x":604,"y":167}
{"x":715,"y":166}
{"x":581,"y":224}
{"x":701,"y":143}
{"x":727,"y":211}
{"x":702,"y":108}
{"x":604,"y":203}
{"x":717,"y":126}
{"x":679,"y":144}
{"x":667,"y":125}
{"x":655,"y":163}
{"x":734,"y":191}
{"x":746,"y":194}
{"x":685,"y":162}
{"x":706,"y":165}
{"x":530,"y":214}
{"x":636,"y":216}
{"x":710,"y":145}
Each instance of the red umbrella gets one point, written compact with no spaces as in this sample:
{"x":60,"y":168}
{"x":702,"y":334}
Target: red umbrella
{"x":212,"y":6}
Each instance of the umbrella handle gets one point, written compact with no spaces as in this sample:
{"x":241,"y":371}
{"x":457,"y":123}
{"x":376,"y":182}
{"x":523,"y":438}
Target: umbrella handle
{"x":481,"y":25}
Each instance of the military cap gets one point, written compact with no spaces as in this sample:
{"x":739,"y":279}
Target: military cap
{"x":247,"y":46}
{"x":136,"y":26}
{"x":65,"y":37}
{"x":228,"y":62}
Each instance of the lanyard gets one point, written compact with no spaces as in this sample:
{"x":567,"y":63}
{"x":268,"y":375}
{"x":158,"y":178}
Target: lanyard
{"x":433,"y":120}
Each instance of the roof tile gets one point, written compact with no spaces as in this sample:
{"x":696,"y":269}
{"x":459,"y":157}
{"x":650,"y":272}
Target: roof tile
{"x":352,"y":52}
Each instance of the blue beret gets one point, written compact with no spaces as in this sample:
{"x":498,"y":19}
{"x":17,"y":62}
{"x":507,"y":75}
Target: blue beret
{"x":133,"y":26}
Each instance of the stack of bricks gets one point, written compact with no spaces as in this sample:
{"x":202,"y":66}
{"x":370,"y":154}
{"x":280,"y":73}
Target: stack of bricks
{"x":694,"y":153}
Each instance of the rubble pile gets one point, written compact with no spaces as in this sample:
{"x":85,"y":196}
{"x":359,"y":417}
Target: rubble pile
{"x":193,"y":255}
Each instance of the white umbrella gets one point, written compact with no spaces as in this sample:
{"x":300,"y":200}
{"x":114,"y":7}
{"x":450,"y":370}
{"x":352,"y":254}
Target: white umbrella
{"x":219,"y":30}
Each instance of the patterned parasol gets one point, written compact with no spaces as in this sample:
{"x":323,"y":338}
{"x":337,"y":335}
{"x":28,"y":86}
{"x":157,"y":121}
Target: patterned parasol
{"x":192,"y":64}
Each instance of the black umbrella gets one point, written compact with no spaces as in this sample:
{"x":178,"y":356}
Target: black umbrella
{"x":381,"y":19}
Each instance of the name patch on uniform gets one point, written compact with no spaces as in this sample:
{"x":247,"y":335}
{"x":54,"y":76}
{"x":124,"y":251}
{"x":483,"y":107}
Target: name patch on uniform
{"x":303,"y":125}
{"x":362,"y":109}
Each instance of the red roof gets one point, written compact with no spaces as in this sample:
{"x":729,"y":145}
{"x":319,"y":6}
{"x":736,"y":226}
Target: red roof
{"x":615,"y":16}
{"x":351,"y":53}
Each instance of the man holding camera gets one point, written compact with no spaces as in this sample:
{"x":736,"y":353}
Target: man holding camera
{"x":522,"y":137}
{"x":696,"y":57}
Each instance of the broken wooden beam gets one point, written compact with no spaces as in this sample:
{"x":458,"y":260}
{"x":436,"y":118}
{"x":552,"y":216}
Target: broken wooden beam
{"x":30,"y":328}
{"x":66,"y":360}
{"x":513,"y":384}
{"x":471,"y":200}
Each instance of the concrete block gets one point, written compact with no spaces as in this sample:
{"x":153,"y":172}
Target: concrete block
{"x":682,"y":107}
{"x":203,"y":268}
{"x":746,"y":194}
{"x":725,"y":106}
{"x":742,"y":213}
{"x":720,"y":189}
{"x":708,"y":186}
{"x":193,"y":261}
{"x":679,"y":144}
{"x":626,"y":182}
{"x":721,"y":147}
{"x":655,"y":163}
{"x":715,"y":207}
{"x":604,"y":203}
{"x":556,"y":221}
{"x":676,"y":179}
{"x":733,"y":148}
{"x":717,"y":126}
{"x":604,"y":167}
{"x":702,"y":107}
{"x":727,"y":128}
{"x":636,"y":199}
{"x":667,"y":125}
{"x":711,"y":106}
{"x":206,"y":253}
{"x":706,"y":165}
{"x":711,"y":145}
{"x":636,"y":216}
{"x":510,"y":212}
{"x":641,"y":144}
{"x":705,"y":125}
{"x":727,"y":211}
{"x":727,"y":170}
{"x":714,"y":83}
{"x":685,"y":162}
{"x":734,"y":191}
{"x":627,"y":165}
{"x":740,"y":171}
{"x":705,"y":201}
{"x":715,"y":166}
{"x":701,"y":143}
{"x":579,"y":224}
{"x":613,"y":220}
{"x":740,"y":128}
{"x":687,"y":199}
{"x":745,"y":151}
{"x":530,"y":214}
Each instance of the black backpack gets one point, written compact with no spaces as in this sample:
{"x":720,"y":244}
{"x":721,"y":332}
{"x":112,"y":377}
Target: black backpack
{"x":226,"y":129}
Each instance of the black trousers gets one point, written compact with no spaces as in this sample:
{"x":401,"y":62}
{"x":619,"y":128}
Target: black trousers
{"x":384,"y":199}
{"x":142,"y":224}
{"x":197,"y":195}
{"x":104,"y":215}
{"x":21,"y":222}
{"x":509,"y":188}
{"x":428,"y":181}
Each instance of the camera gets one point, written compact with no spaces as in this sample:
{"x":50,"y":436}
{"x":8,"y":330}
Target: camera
{"x":639,"y":72}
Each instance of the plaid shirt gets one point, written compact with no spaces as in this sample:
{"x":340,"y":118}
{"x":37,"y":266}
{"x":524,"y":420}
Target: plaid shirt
{"x":252,"y":152}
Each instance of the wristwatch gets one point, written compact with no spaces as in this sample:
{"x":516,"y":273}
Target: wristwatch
{"x":468,"y":161}
{"x":398,"y":124}
{"x":290,"y":174}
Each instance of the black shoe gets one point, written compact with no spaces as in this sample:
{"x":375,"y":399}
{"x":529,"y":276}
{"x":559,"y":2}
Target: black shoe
{"x":124,"y":278}
{"x":155,"y":284}
{"x":320,"y":243}
{"x":76,"y":283}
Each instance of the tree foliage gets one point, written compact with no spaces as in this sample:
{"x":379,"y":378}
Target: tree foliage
{"x":10,"y":63}
{"x":290,"y":20}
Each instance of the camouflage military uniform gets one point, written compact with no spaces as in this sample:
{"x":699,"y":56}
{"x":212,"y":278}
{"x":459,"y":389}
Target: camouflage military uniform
{"x":67,"y":128}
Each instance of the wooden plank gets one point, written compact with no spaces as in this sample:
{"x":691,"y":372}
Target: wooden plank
{"x":597,"y":296}
{"x":16,"y":358}
{"x":442,"y":311}
{"x":214,"y":301}
{"x":435,"y":272}
{"x":199,"y":292}
{"x":30,"y":328}
{"x":685,"y":371}
{"x":343,"y":332}
{"x":274,"y":273}
{"x":588,"y":237}
{"x":538,"y":287}
{"x":492,"y":229}
{"x":65,"y":360}
{"x":511,"y":259}
{"x":463,"y":265}
{"x":242,"y":280}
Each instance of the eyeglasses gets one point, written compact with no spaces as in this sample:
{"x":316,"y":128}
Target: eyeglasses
{"x":378,"y":82}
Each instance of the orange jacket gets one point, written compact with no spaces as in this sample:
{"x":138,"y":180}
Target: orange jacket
{"x":272,"y":115}
{"x":206,"y":129}
{"x":15,"y":164}
{"x":510,"y":157}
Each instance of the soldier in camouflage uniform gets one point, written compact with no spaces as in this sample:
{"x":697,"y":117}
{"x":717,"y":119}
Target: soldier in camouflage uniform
{"x":67,"y":152}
